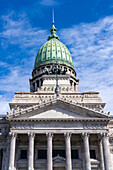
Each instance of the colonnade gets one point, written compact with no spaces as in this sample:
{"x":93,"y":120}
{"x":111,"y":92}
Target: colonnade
{"x":104,"y":151}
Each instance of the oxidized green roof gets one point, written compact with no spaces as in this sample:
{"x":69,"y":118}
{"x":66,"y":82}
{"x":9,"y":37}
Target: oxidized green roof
{"x":52,"y":48}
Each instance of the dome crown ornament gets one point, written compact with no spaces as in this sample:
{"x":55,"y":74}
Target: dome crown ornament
{"x":53,"y":30}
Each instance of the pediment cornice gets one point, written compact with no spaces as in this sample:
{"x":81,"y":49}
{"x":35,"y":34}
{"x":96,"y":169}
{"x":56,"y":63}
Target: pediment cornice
{"x":60,"y":120}
{"x":62,"y":103}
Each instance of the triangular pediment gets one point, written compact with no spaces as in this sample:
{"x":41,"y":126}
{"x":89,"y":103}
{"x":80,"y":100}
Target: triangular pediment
{"x":57,"y":109}
{"x":58,"y":159}
{"x":57,"y":112}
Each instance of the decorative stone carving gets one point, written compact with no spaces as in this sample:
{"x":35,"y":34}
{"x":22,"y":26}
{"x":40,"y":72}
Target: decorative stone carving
{"x":49,"y":135}
{"x":67,"y":135}
{"x":13,"y":135}
{"x":31,"y":135}
{"x":85,"y":135}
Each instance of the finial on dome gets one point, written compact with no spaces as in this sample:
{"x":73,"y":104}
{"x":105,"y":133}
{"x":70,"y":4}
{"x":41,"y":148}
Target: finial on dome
{"x":53,"y":30}
{"x":53,"y":16}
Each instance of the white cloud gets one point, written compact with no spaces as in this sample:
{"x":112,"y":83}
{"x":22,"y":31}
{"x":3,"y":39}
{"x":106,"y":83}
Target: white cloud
{"x":17,"y":31}
{"x":91,"y":46}
{"x":4,"y":106}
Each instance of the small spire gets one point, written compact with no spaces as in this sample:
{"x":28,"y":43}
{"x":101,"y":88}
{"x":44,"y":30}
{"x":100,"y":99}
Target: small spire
{"x":53,"y":30}
{"x":53,"y":16}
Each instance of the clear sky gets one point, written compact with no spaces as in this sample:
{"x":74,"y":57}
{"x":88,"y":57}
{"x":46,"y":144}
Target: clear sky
{"x":84,"y":26}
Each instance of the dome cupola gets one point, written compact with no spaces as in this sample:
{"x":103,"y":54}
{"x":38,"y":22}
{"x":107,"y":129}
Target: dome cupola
{"x":53,"y":49}
{"x":53,"y":67}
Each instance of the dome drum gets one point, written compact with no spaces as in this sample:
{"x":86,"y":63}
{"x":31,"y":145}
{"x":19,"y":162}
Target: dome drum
{"x":42,"y":70}
{"x":37,"y":76}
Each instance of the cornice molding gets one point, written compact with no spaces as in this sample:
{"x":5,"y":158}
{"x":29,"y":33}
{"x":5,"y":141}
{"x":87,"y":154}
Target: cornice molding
{"x":60,"y":120}
{"x":55,"y":101}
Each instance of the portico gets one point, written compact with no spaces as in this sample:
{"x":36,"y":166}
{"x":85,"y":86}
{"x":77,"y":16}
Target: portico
{"x":50,"y":144}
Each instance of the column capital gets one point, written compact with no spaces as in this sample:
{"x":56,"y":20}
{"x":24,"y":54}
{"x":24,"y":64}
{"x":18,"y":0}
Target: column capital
{"x":85,"y":135}
{"x":31,"y":135}
{"x":104,"y":135}
{"x":12,"y":135}
{"x":49,"y":135}
{"x":68,"y":135}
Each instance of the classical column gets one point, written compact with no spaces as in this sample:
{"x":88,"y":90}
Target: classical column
{"x":35,"y":86}
{"x":12,"y":151}
{"x":7,"y":153}
{"x":31,"y":151}
{"x":106,"y":151}
{"x":101,"y":152}
{"x":49,"y":151}
{"x":68,"y":151}
{"x":4,"y":159}
{"x":86,"y":151}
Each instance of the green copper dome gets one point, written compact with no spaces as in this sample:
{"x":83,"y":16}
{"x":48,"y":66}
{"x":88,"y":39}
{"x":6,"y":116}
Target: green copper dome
{"x":51,"y":49}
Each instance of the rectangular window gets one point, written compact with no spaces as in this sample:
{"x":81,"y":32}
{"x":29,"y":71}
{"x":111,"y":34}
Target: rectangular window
{"x":23,"y":154}
{"x":42,"y":154}
{"x":92,"y":154}
{"x":74,"y":154}
{"x":59,"y":152}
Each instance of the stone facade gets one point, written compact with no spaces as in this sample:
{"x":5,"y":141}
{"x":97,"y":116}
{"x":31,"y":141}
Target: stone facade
{"x":54,"y":126}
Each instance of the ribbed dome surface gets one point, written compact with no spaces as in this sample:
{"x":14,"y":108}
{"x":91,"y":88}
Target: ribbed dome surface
{"x":52,"y":48}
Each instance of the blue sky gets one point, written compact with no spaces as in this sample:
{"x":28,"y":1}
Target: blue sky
{"x":84,"y":26}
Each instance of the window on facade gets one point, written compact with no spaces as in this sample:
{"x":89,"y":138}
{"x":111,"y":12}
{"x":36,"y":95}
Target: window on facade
{"x":23,"y":154}
{"x":59,"y":152}
{"x":42,"y":154}
{"x":74,"y":154}
{"x":92,"y":154}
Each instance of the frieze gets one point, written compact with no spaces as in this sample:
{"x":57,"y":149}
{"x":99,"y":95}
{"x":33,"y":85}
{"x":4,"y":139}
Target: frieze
{"x":94,"y":126}
{"x":27,"y":125}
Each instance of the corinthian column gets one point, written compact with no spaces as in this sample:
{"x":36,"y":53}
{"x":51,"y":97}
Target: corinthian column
{"x":31,"y":151}
{"x":106,"y":151}
{"x":86,"y":151}
{"x":12,"y":151}
{"x":49,"y":151}
{"x":101,"y":152}
{"x":68,"y":151}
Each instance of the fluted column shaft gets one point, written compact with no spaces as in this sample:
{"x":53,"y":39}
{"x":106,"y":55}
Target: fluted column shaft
{"x":68,"y":151}
{"x":49,"y":151}
{"x":31,"y":151}
{"x":86,"y":151}
{"x":12,"y":151}
{"x":106,"y":151}
{"x":3,"y":159}
{"x":101,"y":154}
